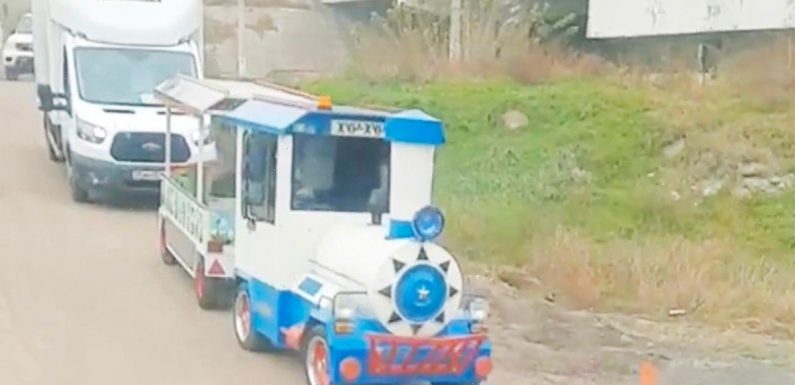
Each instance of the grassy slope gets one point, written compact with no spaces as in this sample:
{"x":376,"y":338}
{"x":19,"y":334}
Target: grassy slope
{"x":589,"y":159}
{"x":591,"y":162}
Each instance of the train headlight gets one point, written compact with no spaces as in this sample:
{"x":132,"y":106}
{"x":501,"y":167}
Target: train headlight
{"x":428,"y":223}
{"x":479,"y":309}
{"x":344,"y":306}
{"x":344,"y":311}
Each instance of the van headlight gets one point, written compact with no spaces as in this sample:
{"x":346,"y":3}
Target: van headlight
{"x":90,"y":132}
{"x":479,"y":309}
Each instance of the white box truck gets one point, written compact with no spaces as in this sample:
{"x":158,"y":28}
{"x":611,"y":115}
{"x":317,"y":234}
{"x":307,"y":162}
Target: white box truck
{"x":97,"y":63}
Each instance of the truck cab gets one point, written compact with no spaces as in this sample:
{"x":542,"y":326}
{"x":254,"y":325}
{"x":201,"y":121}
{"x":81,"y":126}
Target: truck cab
{"x":97,"y":64}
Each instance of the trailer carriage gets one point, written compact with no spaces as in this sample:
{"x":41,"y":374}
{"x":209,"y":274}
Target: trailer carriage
{"x":316,"y":221}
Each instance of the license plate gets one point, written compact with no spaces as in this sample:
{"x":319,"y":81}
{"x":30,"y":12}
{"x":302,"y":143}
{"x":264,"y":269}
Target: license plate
{"x":147,"y":175}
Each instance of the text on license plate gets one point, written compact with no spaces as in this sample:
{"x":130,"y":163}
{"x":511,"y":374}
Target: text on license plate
{"x":148,"y":175}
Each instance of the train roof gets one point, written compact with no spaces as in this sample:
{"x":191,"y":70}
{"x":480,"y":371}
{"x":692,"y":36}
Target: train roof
{"x":271,"y":108}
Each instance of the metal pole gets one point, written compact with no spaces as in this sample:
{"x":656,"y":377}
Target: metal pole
{"x":790,"y":52}
{"x":168,"y":142}
{"x":241,"y":32}
{"x":200,"y":164}
{"x":455,"y":29}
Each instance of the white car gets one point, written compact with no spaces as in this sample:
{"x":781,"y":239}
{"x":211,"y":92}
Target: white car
{"x":18,"y":49}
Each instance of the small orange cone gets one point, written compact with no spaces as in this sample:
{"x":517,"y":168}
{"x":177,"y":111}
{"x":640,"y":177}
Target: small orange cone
{"x":648,"y":374}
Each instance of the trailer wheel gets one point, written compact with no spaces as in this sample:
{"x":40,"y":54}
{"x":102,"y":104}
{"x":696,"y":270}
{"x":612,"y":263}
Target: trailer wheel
{"x":317,"y":357}
{"x":165,"y":255}
{"x":247,"y":337}
{"x":207,"y":289}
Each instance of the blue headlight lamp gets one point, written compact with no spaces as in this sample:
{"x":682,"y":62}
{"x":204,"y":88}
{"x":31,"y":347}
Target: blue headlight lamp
{"x":428,"y":223}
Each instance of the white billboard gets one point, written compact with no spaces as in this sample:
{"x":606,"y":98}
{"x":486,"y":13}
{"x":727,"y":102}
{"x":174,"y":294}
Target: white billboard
{"x":634,"y":18}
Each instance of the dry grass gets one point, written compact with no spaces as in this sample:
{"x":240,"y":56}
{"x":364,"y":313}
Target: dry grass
{"x":412,"y":46}
{"x":716,"y":276}
{"x":706,"y":279}
{"x":298,"y":4}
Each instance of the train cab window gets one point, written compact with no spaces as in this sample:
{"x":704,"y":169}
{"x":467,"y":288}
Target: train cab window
{"x":344,"y":174}
{"x":259,"y":177}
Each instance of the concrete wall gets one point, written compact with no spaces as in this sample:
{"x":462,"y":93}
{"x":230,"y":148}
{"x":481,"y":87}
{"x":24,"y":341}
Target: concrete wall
{"x":299,"y":36}
{"x":16,"y":8}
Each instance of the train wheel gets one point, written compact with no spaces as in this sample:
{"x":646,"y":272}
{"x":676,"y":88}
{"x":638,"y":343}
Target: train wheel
{"x":247,"y":337}
{"x":317,"y":358}
{"x":165,"y":255}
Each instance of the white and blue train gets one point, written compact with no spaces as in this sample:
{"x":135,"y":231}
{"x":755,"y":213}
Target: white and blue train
{"x":316,"y":221}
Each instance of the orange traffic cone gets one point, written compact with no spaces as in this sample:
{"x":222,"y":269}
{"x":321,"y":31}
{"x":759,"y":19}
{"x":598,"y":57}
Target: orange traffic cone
{"x":648,"y":374}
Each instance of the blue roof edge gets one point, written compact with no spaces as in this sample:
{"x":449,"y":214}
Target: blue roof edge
{"x":409,"y":126}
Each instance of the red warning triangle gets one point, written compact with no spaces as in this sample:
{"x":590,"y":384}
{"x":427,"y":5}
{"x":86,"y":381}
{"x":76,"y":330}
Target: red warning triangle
{"x":216,"y":269}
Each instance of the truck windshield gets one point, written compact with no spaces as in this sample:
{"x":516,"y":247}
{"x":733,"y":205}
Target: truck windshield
{"x":127,"y":76}
{"x":342,"y":174}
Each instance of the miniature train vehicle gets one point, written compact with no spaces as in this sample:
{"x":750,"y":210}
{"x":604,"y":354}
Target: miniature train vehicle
{"x":316,"y":222}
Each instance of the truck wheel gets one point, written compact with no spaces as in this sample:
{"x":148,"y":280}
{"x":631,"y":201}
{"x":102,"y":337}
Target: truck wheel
{"x":47,"y":132}
{"x":79,"y":194}
{"x":247,"y":337}
{"x":11,"y":74}
{"x":165,"y":255}
{"x":317,"y":357}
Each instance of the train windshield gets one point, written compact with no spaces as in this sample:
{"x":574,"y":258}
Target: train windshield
{"x":344,"y":174}
{"x":127,"y":76}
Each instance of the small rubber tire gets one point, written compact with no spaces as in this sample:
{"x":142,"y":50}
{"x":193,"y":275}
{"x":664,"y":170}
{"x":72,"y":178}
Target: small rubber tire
{"x":317,"y":357}
{"x":204,"y":288}
{"x":165,"y":255}
{"x":242,"y":324}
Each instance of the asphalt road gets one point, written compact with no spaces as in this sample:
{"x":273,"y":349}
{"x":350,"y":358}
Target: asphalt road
{"x":84,"y":298}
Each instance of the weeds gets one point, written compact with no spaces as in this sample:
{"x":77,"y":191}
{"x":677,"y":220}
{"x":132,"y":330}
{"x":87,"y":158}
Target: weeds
{"x":588,"y":200}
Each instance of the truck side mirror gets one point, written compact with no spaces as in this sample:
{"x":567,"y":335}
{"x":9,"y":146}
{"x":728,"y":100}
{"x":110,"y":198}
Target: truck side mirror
{"x":48,"y":101}
{"x":45,"y":97}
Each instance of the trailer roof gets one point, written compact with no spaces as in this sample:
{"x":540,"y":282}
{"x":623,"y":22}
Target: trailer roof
{"x":279,"y":110}
{"x":200,"y":96}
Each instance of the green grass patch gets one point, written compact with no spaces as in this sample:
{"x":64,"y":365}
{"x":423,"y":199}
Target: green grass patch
{"x":588,"y":160}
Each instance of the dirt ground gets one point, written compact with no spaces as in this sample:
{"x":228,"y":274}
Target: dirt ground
{"x":84,"y":299}
{"x":541,"y":343}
